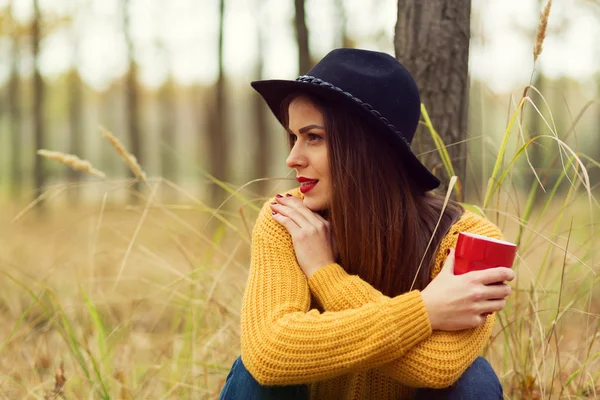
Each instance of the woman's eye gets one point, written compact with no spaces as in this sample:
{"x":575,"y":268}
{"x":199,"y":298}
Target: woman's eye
{"x":312,"y":136}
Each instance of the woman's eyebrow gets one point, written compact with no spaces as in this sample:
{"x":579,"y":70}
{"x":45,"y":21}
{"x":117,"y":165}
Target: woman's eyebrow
{"x":306,"y":128}
{"x":309,"y":127}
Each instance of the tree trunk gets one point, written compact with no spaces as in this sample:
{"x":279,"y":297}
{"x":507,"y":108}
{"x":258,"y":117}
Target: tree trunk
{"x":218,"y":135}
{"x":304,"y":62}
{"x":263,"y":150}
{"x":432,"y":41}
{"x":75,"y":129}
{"x":167,"y":130}
{"x":110,"y":114}
{"x":594,"y":173}
{"x":14,"y":114}
{"x":135,"y":140}
{"x":343,"y":38}
{"x":39,"y":175}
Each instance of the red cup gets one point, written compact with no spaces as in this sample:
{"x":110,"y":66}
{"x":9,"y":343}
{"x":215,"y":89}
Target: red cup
{"x":476,"y":252}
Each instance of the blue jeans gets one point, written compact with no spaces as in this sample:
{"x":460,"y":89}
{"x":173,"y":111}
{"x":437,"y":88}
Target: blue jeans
{"x":478,"y":382}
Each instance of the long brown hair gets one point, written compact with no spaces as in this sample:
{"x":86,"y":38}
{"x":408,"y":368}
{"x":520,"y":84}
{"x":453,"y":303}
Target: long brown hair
{"x":382,"y":221}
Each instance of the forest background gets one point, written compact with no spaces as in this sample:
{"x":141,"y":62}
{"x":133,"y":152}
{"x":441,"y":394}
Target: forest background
{"x":130,"y":286}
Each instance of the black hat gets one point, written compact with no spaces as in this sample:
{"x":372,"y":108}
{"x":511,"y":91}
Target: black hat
{"x":371,"y":83}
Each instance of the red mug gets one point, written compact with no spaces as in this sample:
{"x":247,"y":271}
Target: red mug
{"x":476,"y":252}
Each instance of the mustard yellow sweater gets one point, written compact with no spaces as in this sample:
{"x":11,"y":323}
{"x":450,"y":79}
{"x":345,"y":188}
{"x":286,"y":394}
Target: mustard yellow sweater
{"x":364,"y":345}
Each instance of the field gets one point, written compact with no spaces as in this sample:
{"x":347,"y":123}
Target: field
{"x":162,"y":323}
{"x":108,"y":300}
{"x":116,"y":301}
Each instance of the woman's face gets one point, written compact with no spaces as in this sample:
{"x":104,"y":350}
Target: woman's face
{"x":309,"y":156}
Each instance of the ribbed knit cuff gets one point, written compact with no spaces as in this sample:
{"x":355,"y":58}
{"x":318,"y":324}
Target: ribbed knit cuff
{"x":337,"y":290}
{"x":409,"y":313}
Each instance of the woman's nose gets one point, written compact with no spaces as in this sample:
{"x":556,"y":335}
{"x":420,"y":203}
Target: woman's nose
{"x":295,"y":159}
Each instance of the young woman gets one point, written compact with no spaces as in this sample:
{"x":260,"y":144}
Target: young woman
{"x":351,"y":292}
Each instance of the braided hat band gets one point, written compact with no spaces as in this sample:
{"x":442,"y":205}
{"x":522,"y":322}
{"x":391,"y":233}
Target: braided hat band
{"x":372,"y":84}
{"x":316,"y":81}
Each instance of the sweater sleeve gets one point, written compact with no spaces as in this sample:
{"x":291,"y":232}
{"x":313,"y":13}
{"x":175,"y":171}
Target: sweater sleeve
{"x":443,"y":357}
{"x":284,"y":343}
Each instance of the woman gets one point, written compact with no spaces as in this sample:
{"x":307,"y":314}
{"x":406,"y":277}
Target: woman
{"x":351,"y":292}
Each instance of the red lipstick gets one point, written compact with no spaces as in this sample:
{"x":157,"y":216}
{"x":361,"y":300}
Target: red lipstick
{"x":306,"y":184}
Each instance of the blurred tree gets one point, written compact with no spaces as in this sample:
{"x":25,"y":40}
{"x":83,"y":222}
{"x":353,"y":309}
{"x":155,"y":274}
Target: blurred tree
{"x":432,"y":41}
{"x":25,"y":42}
{"x":343,"y":38}
{"x":166,"y":103}
{"x":39,"y":173}
{"x":168,"y":129}
{"x":217,"y":133}
{"x":131,"y":91}
{"x":111,"y":115}
{"x":14,"y":108}
{"x":262,"y":158}
{"x":304,"y":61}
{"x":76,"y":126}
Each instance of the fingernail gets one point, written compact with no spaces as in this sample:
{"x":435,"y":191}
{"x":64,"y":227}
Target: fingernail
{"x":288,"y":195}
{"x":273,"y":213}
{"x":278,"y":195}
{"x":274,"y":202}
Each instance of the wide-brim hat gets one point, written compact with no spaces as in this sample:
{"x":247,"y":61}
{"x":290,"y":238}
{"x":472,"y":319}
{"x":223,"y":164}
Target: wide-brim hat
{"x":373,"y":84}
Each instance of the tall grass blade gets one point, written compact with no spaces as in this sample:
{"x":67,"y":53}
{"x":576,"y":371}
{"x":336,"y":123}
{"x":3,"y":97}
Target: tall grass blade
{"x":493,"y":181}
{"x":442,"y":151}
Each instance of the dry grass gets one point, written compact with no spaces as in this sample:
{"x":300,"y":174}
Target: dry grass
{"x":129,"y":158}
{"x":141,"y":302}
{"x":541,"y":31}
{"x":72,"y":161}
{"x":170,"y":329}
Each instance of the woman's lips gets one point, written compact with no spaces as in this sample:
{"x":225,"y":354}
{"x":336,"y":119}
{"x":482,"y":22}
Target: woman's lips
{"x":305,"y":187}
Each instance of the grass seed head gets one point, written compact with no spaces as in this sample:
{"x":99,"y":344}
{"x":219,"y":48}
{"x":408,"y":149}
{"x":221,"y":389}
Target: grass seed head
{"x":129,"y":158}
{"x":541,"y":31}
{"x":72,"y":161}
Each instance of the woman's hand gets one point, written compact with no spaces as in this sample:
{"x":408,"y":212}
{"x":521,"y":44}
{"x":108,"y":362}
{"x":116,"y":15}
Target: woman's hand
{"x":456,"y":302}
{"x":311,"y":233}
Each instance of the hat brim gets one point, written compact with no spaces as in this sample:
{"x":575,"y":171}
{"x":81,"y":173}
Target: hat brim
{"x":275,"y":91}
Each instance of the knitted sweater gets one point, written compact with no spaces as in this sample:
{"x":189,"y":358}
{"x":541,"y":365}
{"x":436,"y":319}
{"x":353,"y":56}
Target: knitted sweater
{"x":363,"y":345}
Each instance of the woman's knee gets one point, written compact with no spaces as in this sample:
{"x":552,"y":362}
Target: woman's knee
{"x":240,"y":384}
{"x":479,"y":382}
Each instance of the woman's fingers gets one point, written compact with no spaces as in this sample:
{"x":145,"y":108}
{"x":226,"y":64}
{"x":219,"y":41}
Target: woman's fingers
{"x":468,"y":298}
{"x":493,"y":275}
{"x":497,"y":291}
{"x":290,"y":225}
{"x":298,"y":218}
{"x":479,"y":320}
{"x":448,"y":267}
{"x":298,"y":206}
{"x":492,"y":306}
